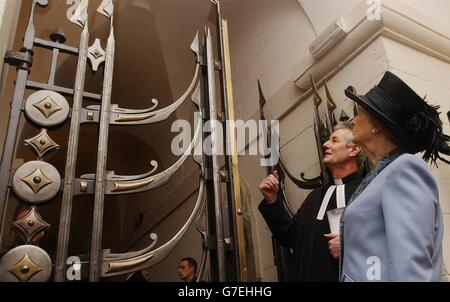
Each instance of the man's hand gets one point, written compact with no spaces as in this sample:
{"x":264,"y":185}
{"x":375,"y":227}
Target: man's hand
{"x":269,"y":188}
{"x":334,"y":245}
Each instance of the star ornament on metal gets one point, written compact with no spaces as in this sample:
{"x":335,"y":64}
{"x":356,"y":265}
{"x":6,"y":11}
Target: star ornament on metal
{"x":42,"y":144}
{"x":31,"y":225}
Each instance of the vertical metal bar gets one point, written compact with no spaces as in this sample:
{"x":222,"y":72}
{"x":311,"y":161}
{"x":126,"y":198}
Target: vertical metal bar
{"x":233,"y":159}
{"x":13,"y":125}
{"x":97,"y":226}
{"x":210,"y":199}
{"x":51,"y":78}
{"x":215,"y":159}
{"x":72,"y":151}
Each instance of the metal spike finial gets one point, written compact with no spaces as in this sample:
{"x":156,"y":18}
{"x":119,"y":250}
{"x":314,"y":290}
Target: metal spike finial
{"x":331,"y":102}
{"x":331,"y":107}
{"x":106,"y":8}
{"x":355,"y":106}
{"x":81,"y":14}
{"x":317,"y":98}
{"x":344,"y":116}
{"x":195,"y":46}
{"x":58,"y":36}
{"x":262,"y":98}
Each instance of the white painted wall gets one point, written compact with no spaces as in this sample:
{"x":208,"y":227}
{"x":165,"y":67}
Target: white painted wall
{"x":324,"y":12}
{"x":268,"y":38}
{"x":439,"y":10}
{"x":9,"y":10}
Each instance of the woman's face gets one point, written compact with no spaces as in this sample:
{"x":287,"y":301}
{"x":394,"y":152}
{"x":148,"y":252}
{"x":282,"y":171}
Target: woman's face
{"x":363,"y":126}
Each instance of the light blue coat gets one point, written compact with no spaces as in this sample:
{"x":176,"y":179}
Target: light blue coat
{"x":393,"y":231}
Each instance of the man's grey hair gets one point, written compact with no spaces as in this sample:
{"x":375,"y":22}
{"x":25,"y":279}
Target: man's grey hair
{"x":348,"y":126}
{"x":349,"y":138}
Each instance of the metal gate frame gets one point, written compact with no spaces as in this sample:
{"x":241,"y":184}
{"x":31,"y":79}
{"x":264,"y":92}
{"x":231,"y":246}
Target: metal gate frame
{"x":224,"y":238}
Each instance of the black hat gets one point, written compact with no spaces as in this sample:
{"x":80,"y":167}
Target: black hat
{"x":411,"y":120}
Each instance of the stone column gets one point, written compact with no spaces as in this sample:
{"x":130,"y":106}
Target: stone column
{"x":9,"y":14}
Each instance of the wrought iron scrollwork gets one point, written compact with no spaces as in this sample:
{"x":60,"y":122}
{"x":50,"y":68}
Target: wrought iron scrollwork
{"x":322,"y":131}
{"x":119,"y":264}
{"x":202,"y":229}
{"x":119,"y":184}
{"x":36,"y":182}
{"x":120,"y":116}
{"x":124,"y":263}
{"x":281,"y":167}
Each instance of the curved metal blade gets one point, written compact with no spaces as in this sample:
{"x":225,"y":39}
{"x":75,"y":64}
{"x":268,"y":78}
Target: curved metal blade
{"x":121,"y":116}
{"x":116,"y":187}
{"x":331,"y":103}
{"x":153,"y":163}
{"x":120,"y":264}
{"x":108,"y":256}
{"x":317,"y":98}
{"x":202,"y":228}
{"x":302,"y":184}
{"x":331,"y":107}
{"x":198,"y":148}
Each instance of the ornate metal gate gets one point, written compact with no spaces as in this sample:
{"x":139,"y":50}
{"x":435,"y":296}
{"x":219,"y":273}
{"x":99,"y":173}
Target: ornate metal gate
{"x":37,"y":182}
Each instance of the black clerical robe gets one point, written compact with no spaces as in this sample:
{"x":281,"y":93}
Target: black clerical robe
{"x":304,"y":233}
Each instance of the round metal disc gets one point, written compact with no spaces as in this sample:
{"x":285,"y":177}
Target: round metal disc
{"x":47,"y":108}
{"x":36,"y":182}
{"x":26,"y":263}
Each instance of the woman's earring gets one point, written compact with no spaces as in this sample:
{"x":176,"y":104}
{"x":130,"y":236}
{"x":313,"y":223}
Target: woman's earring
{"x":374,"y":131}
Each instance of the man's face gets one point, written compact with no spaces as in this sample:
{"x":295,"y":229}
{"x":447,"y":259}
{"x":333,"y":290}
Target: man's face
{"x":185,"y":271}
{"x":335,"y":149}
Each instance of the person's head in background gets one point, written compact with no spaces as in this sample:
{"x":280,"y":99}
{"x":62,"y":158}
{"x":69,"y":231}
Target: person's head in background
{"x":187,"y":269}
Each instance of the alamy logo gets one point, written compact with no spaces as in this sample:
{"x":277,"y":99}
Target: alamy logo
{"x":252,"y":138}
{"x":374,"y":10}
{"x":374,"y":270}
{"x":74,"y":270}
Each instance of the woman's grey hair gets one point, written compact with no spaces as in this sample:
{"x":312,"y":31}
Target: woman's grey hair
{"x":349,"y":138}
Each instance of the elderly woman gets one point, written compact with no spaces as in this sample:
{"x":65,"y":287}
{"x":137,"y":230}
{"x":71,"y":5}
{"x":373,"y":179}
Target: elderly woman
{"x":393,"y":227}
